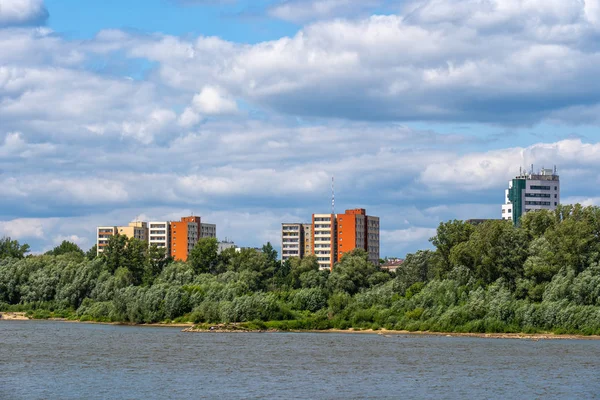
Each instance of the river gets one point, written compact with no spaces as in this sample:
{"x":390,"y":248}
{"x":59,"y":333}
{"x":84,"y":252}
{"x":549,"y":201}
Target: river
{"x":58,"y":360}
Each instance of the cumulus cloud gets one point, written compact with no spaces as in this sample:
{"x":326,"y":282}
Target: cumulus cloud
{"x":484,"y":170}
{"x":22,"y":12}
{"x":23,"y":228}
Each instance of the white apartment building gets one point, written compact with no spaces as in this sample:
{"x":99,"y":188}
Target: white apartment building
{"x":531,"y":192}
{"x":292,"y":243}
{"x":324,"y":243}
{"x":160,"y":235}
{"x":208,"y":230}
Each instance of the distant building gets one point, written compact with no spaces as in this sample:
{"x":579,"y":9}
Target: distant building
{"x":292,"y":241}
{"x":392,"y":264}
{"x":324,"y":239}
{"x":103,"y":234}
{"x":531,"y":192}
{"x":308,"y":239}
{"x":160,"y":235}
{"x":357,"y":230}
{"x":178,"y":238}
{"x":137,"y":230}
{"x":224,"y":245}
{"x":184,"y":236}
{"x":208,"y":230}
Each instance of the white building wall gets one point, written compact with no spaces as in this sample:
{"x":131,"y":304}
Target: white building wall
{"x":324,"y":239}
{"x":291,"y":240}
{"x":159,"y":234}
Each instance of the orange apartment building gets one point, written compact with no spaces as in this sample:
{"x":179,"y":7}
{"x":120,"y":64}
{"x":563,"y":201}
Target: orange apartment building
{"x":357,"y":230}
{"x":184,"y":235}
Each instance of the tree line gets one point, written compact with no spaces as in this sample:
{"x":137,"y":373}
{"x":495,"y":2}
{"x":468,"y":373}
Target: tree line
{"x":543,"y":275}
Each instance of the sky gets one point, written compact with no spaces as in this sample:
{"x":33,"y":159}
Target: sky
{"x":241,"y":112}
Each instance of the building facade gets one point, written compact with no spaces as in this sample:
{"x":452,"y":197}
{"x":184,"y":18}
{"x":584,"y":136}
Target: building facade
{"x":330,"y":236}
{"x":357,"y":230}
{"x":308,"y":239}
{"x":103,"y":233}
{"x":184,"y":236}
{"x":292,"y":241}
{"x":208,"y":230}
{"x":324,"y":239}
{"x":160,"y":235}
{"x":137,"y":230}
{"x":531,"y":192}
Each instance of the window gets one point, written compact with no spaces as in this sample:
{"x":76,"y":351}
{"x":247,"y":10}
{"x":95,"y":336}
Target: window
{"x":555,"y":203}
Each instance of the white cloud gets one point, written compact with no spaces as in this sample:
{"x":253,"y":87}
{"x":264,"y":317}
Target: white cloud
{"x":212,"y":101}
{"x":23,"y":228}
{"x":22,"y":12}
{"x":484,"y":170}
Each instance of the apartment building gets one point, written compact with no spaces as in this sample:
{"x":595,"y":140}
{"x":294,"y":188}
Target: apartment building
{"x":330,"y":236}
{"x":137,"y":230}
{"x":160,"y":235}
{"x":208,"y":230}
{"x":103,"y":233}
{"x":357,"y":230}
{"x":308,"y":239}
{"x":531,"y":192}
{"x":324,"y":239}
{"x":292,"y":241}
{"x":184,"y":236}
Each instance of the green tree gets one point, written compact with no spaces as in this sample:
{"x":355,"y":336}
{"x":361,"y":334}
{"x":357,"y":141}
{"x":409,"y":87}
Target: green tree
{"x":114,"y":253}
{"x":12,"y":248}
{"x":92,"y":253}
{"x":135,"y":259}
{"x":449,"y":234}
{"x":204,"y":257}
{"x":157,"y":261}
{"x":64,"y":248}
{"x":352,"y":273}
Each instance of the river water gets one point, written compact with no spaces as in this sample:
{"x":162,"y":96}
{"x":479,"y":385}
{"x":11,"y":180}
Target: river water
{"x":57,"y":360}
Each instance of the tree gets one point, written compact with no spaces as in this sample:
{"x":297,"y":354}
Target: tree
{"x":12,"y":249}
{"x":157,"y":261}
{"x":449,"y":234}
{"x":92,"y":253}
{"x":204,"y":257}
{"x":136,"y":258}
{"x":114,"y":252}
{"x":64,"y":248}
{"x":352,"y":273}
{"x":496,"y":249}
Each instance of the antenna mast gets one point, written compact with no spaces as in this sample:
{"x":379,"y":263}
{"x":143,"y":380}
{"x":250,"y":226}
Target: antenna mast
{"x":332,"y":195}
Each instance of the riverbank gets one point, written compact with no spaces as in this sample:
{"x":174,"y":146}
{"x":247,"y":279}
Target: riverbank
{"x":253,"y":328}
{"x":13,"y":316}
{"x":239,"y":328}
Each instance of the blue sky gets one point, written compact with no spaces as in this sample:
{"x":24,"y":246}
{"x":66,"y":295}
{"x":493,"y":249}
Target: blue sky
{"x":241,"y":111}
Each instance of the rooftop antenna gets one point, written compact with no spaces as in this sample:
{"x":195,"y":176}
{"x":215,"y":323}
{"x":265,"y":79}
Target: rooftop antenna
{"x":555,"y":169}
{"x":332,"y":195}
{"x":531,"y":169}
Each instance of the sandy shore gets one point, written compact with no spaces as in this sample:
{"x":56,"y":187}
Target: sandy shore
{"x":527,"y":336}
{"x":224,"y":328}
{"x":391,"y":333}
{"x":13,"y":316}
